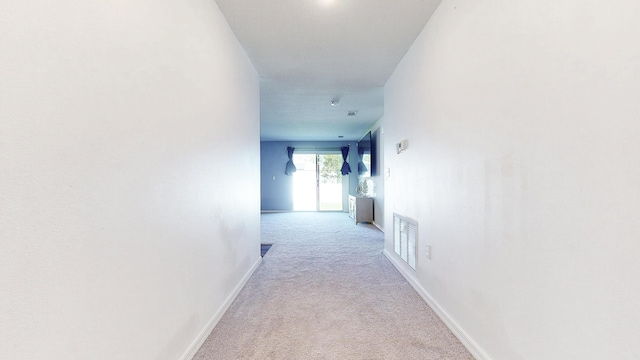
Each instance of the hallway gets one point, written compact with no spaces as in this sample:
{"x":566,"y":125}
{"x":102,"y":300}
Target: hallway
{"x":326,"y":291}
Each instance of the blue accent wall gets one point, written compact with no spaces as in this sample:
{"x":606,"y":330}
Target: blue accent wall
{"x":275,"y":186}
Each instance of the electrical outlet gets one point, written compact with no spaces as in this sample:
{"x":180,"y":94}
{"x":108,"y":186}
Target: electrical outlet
{"x":427,"y":251}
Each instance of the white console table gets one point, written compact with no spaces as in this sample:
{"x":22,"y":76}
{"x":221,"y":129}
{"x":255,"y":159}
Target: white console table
{"x":361,"y":209}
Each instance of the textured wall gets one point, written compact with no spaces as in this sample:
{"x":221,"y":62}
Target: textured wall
{"x":129,"y":191}
{"x":522,"y":171}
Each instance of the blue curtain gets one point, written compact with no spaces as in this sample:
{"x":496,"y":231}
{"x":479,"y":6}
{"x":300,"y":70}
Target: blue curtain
{"x":346,"y":169}
{"x":362,"y":168}
{"x":290,"y":168}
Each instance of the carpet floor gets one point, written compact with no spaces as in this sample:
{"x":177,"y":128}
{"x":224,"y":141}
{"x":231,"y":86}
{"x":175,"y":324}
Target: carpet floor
{"x":325,"y":291}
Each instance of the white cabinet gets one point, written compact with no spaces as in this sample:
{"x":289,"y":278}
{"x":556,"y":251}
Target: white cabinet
{"x":361,"y":209}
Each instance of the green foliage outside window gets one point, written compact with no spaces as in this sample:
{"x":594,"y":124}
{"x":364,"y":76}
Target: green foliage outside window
{"x":330,"y":169}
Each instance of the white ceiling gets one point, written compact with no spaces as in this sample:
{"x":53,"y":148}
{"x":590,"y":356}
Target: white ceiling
{"x":308,"y":52}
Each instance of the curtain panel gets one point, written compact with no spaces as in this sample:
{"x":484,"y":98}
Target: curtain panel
{"x":346,"y":169}
{"x":290,"y":167}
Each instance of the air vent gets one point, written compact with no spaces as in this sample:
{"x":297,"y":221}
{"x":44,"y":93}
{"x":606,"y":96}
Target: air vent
{"x":352,"y":113}
{"x":405,"y":239}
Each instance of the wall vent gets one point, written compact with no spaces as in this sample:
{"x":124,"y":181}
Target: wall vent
{"x":405,"y":239}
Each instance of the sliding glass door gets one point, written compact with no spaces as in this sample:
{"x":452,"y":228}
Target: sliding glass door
{"x":317,"y":184}
{"x":305,"y":183}
{"x":329,"y":182}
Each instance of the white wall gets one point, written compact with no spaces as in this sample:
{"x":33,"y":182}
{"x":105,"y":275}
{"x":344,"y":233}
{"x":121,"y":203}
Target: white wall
{"x":523,"y":173}
{"x":129,"y":182}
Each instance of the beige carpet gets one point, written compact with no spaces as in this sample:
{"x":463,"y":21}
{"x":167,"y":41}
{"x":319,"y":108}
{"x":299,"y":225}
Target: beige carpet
{"x":325,"y":291}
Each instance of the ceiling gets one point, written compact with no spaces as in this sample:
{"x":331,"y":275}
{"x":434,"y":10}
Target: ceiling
{"x":310,"y":52}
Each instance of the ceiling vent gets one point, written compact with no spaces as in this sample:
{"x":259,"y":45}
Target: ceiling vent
{"x":352,"y":113}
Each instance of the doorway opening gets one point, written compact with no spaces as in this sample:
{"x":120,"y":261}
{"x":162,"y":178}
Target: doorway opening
{"x":317,"y":183}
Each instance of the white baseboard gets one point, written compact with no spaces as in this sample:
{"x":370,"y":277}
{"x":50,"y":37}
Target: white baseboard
{"x":464,"y":338}
{"x":204,"y":334}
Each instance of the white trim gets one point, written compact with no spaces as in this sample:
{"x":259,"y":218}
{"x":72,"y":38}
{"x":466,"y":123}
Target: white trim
{"x":204,"y":334}
{"x":466,"y":340}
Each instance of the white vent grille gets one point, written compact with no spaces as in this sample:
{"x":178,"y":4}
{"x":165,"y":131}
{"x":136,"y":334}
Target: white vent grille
{"x":405,"y":239}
